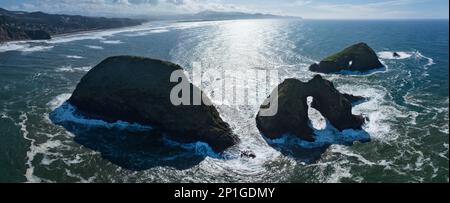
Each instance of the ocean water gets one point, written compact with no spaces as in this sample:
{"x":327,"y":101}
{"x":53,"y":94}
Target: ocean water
{"x":43,"y":139}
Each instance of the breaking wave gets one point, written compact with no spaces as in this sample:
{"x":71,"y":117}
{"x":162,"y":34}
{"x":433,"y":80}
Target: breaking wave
{"x":74,"y":57}
{"x":23,"y":46}
{"x":71,"y":69}
{"x":94,"y":47}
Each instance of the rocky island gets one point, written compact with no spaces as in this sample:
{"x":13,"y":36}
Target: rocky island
{"x":137,"y":90}
{"x":359,"y":58}
{"x":292,"y":117}
{"x":18,"y":25}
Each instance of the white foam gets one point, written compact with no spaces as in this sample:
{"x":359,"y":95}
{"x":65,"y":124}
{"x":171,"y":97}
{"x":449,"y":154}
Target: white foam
{"x":74,"y":57}
{"x":58,"y":101}
{"x":317,"y":120}
{"x":68,"y":113}
{"x":340,"y":171}
{"x":327,"y":136}
{"x":419,"y":55}
{"x":444,"y":154}
{"x":96,"y":35}
{"x":159,"y":31}
{"x":379,"y":111}
{"x":75,"y":37}
{"x":76,"y":160}
{"x":47,"y":161}
{"x":34,"y":149}
{"x":71,"y":69}
{"x":344,"y":150}
{"x":147,"y":32}
{"x":199,"y":148}
{"x":390,"y":55}
{"x":112,"y":42}
{"x":94,"y":47}
{"x":23,"y":46}
{"x":4,"y":116}
{"x":30,"y":153}
{"x":36,"y":48}
{"x":81,"y":179}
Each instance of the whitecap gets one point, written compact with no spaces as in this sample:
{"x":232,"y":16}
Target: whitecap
{"x":444,"y":154}
{"x":68,"y":113}
{"x":378,"y":111}
{"x":4,"y":116}
{"x":344,"y":150}
{"x":74,"y":37}
{"x":71,"y":69}
{"x":159,"y":31}
{"x":47,"y":161}
{"x":325,"y":137}
{"x":58,"y":101}
{"x":23,"y":46}
{"x":74,"y":57}
{"x":317,"y":121}
{"x":147,"y":32}
{"x":96,"y":35}
{"x":81,"y":179}
{"x":340,"y":171}
{"x":390,"y":55}
{"x":112,"y":42}
{"x":76,"y":160}
{"x":34,"y":149}
{"x":419,"y":55}
{"x":94,"y":47}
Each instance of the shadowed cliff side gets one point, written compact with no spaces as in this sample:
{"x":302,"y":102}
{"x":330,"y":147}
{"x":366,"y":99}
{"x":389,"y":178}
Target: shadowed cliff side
{"x":292,"y":117}
{"x":137,"y":90}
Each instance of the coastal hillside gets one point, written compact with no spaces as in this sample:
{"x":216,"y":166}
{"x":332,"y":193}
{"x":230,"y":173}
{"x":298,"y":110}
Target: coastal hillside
{"x":18,"y":25}
{"x":216,"y":15}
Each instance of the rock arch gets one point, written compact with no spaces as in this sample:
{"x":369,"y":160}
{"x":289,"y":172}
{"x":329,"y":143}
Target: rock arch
{"x":292,"y":117}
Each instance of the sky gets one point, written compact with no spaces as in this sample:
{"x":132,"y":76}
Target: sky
{"x":314,"y":9}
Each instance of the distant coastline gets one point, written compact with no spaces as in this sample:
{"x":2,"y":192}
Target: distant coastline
{"x":22,"y":26}
{"x":19,"y":26}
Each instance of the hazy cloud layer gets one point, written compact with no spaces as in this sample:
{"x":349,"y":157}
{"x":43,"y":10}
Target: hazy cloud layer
{"x":342,"y":9}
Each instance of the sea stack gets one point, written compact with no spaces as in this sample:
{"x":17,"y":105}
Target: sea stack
{"x":292,"y":117}
{"x":137,"y":90}
{"x":359,"y":58}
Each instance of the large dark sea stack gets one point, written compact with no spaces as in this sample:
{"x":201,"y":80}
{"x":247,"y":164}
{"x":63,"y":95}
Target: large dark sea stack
{"x":359,"y":57}
{"x":292,"y":117}
{"x":137,"y":90}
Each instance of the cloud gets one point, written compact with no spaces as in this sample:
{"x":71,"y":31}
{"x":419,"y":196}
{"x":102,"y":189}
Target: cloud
{"x":381,"y":9}
{"x":346,"y":9}
{"x":302,"y":2}
{"x":326,"y":9}
{"x":128,"y":7}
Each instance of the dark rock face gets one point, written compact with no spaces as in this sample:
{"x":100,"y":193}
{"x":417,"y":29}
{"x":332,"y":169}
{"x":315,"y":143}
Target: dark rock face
{"x":38,"y":35}
{"x":359,"y":57}
{"x":292,"y":117}
{"x":353,"y":98}
{"x":138,"y":90}
{"x":248,"y":154}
